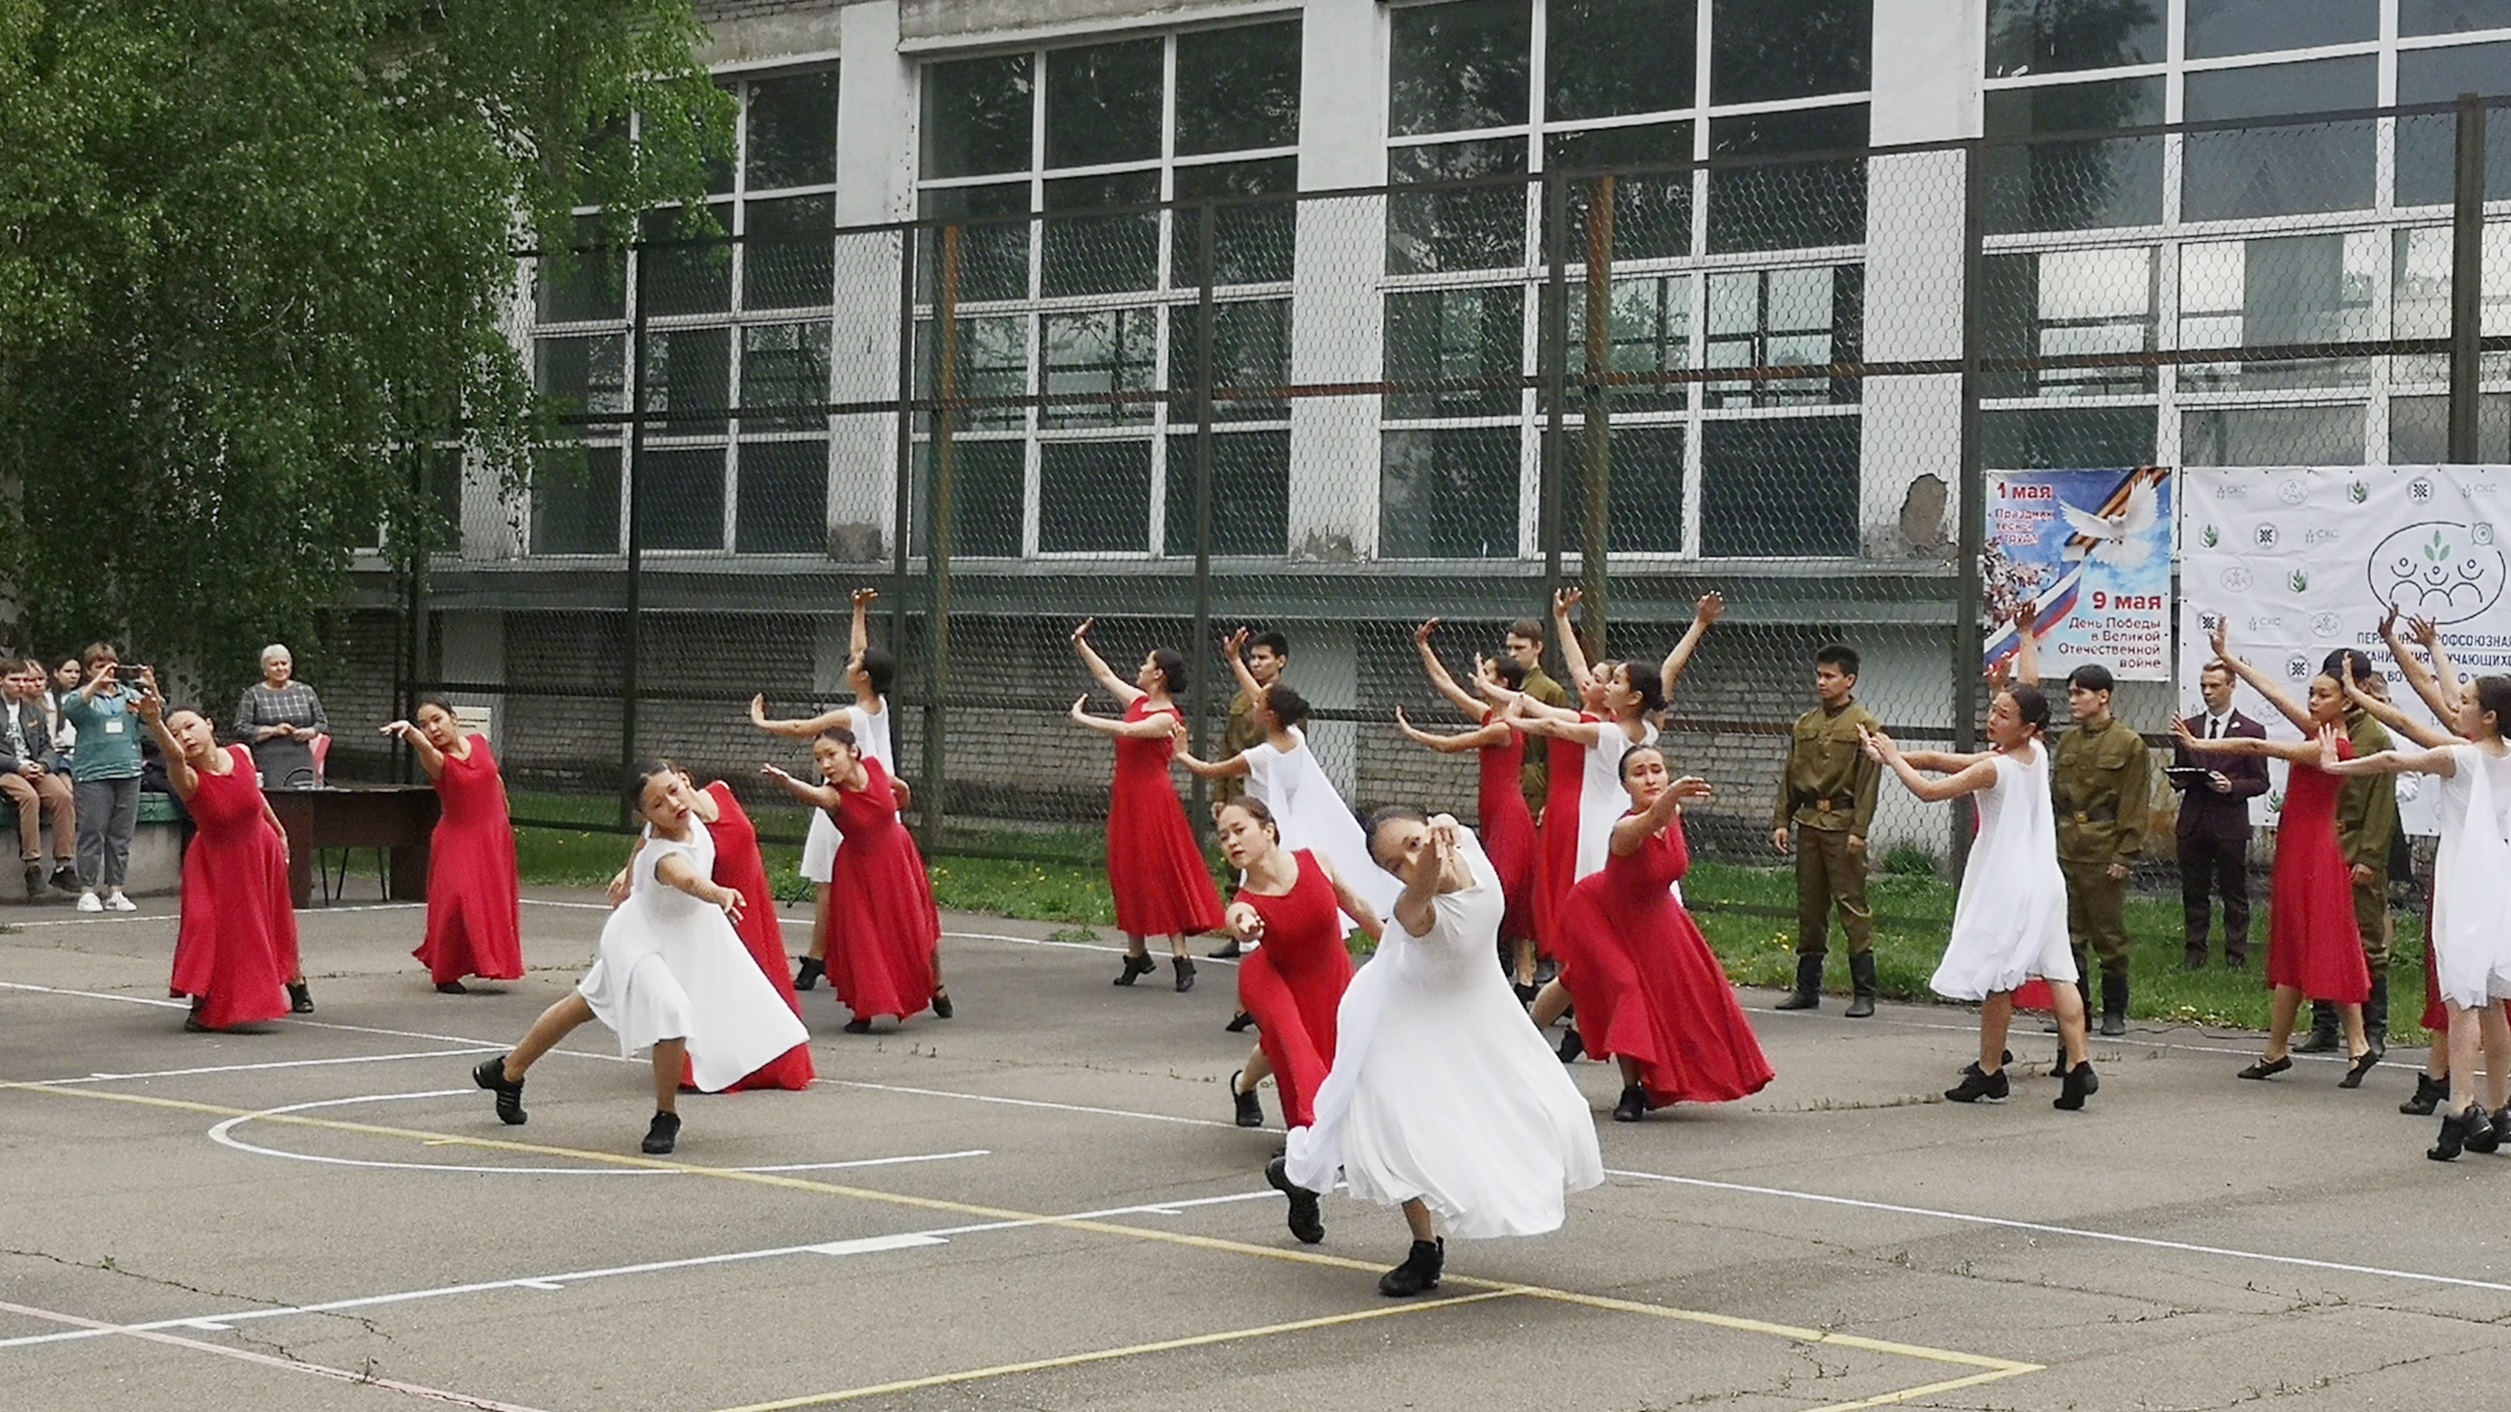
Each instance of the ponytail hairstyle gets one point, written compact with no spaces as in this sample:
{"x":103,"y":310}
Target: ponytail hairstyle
{"x":2493,"y":696}
{"x":1289,"y":708}
{"x":1254,"y":809}
{"x":1643,"y":682}
{"x":2032,"y":706}
{"x":1171,"y":665}
{"x":640,"y":777}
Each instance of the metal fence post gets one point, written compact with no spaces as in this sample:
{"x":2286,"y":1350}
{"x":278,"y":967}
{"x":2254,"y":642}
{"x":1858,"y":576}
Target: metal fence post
{"x":904,"y":495}
{"x":1200,"y":689}
{"x":940,"y":524}
{"x":629,"y":674}
{"x":2467,"y":283}
{"x":1595,"y":440}
{"x":1972,"y":502}
{"x":1552,"y":351}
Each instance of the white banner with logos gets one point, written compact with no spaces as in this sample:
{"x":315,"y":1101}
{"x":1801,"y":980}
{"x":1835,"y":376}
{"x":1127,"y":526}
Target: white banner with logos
{"x":2302,"y":561}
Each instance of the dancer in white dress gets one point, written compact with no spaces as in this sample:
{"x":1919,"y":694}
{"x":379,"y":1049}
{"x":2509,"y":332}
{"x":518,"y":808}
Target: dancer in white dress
{"x":671,"y":975}
{"x":2471,"y":893}
{"x":1283,"y":775}
{"x":1441,"y":1100}
{"x":869,"y":672}
{"x":2009,"y":920}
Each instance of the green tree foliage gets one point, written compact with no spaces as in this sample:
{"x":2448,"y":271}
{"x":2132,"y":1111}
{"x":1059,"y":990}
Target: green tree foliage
{"x":257,"y":256}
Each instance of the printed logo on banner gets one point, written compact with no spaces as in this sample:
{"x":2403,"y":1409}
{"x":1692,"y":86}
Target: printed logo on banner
{"x":2437,"y":570}
{"x":2293,"y":492}
{"x":2297,"y":668}
{"x":2264,"y":536}
{"x":2326,"y":625}
{"x":2236,"y":579}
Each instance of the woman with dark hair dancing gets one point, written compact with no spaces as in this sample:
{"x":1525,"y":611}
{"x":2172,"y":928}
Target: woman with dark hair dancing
{"x":1507,"y":826}
{"x":1282,"y":773}
{"x":474,"y":893}
{"x":883,"y":929}
{"x":1154,"y":866}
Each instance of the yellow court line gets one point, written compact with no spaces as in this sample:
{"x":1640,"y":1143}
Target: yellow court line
{"x":1906,"y":1394}
{"x":1105,"y":1355}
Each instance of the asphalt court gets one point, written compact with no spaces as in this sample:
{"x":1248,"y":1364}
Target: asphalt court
{"x":1041,"y":1203}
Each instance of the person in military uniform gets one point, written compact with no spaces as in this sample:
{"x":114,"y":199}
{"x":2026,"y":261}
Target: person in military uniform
{"x":2367,"y":824}
{"x":1267,"y":655}
{"x":2099,"y":782}
{"x":1826,"y":804}
{"x":1525,"y":645}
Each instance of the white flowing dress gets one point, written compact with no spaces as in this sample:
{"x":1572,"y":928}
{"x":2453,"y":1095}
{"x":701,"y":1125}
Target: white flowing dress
{"x":1311,"y":814}
{"x":672,"y":967}
{"x":2472,"y":881}
{"x":2009,"y":921}
{"x":1441,"y":1091}
{"x":819,"y":845}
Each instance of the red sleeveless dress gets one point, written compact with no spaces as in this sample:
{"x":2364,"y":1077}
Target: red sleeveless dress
{"x":235,"y":945}
{"x":1648,"y":987}
{"x":2311,"y":940}
{"x":882,"y":925}
{"x":1154,"y":866}
{"x":1556,"y":865}
{"x":1508,"y":830}
{"x":1293,"y":984}
{"x":474,"y":906}
{"x":738,"y":866}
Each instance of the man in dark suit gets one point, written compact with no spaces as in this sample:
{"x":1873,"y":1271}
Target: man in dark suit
{"x":2214,"y":822}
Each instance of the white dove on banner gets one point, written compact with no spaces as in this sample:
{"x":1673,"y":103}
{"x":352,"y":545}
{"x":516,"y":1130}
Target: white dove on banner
{"x":2124,"y":539}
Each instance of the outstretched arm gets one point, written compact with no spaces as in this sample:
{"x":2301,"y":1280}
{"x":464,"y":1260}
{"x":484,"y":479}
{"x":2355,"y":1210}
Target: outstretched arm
{"x":1455,"y":744}
{"x":2388,"y":714}
{"x":1970,"y":779}
{"x":1230,"y":768}
{"x":1632,"y":831}
{"x":818,"y":796}
{"x":1474,"y":710}
{"x":1117,"y":686}
{"x":1712,"y":607}
{"x":1158,"y":723}
{"x":799,"y":729}
{"x":1573,"y":652}
{"x":2384,"y":762}
{"x":1534,"y":718}
{"x":2304,"y":751}
{"x":676,"y":871}
{"x":430,"y":759}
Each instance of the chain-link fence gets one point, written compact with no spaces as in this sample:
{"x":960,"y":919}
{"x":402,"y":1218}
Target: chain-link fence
{"x":1780,"y":373}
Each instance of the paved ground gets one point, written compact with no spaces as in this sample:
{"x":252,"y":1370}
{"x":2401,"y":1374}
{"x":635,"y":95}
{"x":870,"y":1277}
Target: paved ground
{"x":1040,"y":1204}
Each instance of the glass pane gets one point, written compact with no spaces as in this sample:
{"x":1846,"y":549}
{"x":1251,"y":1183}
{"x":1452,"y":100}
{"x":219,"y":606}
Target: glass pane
{"x":1250,"y":494}
{"x":2284,"y":170}
{"x":2077,"y":302}
{"x":2428,"y":143}
{"x":1102,"y":352}
{"x":2419,"y":299}
{"x":1764,"y":50}
{"x":1609,"y":58}
{"x":589,"y":282}
{"x":992,"y":364}
{"x":1648,"y":323}
{"x":1101,"y":254}
{"x":575,"y":500}
{"x":789,"y":253}
{"x":2419,"y":430}
{"x":1103,"y":104}
{"x":2282,"y":290}
{"x":1464,"y":228}
{"x":2074,"y":185}
{"x":1779,"y":487}
{"x":1785,"y":318}
{"x":1643,"y":489}
{"x":691,"y":273}
{"x":1790,"y":205}
{"x":1250,"y":350}
{"x":1252,"y":242}
{"x":688,"y":381}
{"x":986,"y":260}
{"x":1449,"y":493}
{"x":1238,"y":88}
{"x":1447,"y":335}
{"x":976,"y":116}
{"x":2452,"y":16}
{"x":680,"y":498}
{"x":2272,"y":436}
{"x":1458,"y":67}
{"x":2067,"y":438}
{"x":2059,"y":36}
{"x":782,"y":506}
{"x":1651,"y":213}
{"x":793,"y":131}
{"x":784,"y":365}
{"x":586,"y":377}
{"x":2220,"y":27}
{"x":1094,"y":497}
{"x":987,"y":496}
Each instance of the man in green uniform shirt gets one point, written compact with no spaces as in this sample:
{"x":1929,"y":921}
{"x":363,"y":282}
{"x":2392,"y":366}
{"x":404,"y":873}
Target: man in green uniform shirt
{"x":1827,"y":797}
{"x":1525,"y":643}
{"x":2367,"y":823}
{"x":2100,"y":781}
{"x":1267,"y":654}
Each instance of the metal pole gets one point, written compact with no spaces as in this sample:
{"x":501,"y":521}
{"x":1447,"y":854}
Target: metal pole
{"x":1553,"y":349}
{"x":628,"y":675}
{"x":904,"y":493}
{"x":2467,"y":283}
{"x":419,"y":671}
{"x":1972,"y":502}
{"x":932,"y":797}
{"x":1596,"y":440}
{"x":1200,"y":690}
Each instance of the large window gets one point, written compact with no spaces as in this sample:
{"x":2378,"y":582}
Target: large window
{"x":1069,"y":284}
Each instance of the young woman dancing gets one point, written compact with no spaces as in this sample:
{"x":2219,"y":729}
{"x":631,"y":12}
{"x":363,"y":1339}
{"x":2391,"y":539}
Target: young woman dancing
{"x":235,"y":943}
{"x":1309,"y":813}
{"x":671,"y":976}
{"x":474,"y":896}
{"x":1294,"y":902}
{"x":1506,"y":825}
{"x":1154,"y":866}
{"x":2313,"y":949}
{"x":2009,"y":919}
{"x":1650,"y":992}
{"x":883,"y":929}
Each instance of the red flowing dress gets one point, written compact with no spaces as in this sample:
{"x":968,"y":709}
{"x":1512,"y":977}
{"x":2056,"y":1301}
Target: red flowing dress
{"x":2312,"y":943}
{"x":1154,"y":867}
{"x":235,"y":946}
{"x":474,"y":899}
{"x":882,"y":926}
{"x":1647,"y":986}
{"x":1508,"y":830}
{"x":1294,"y":983}
{"x":1556,"y":866}
{"x":739,"y":866}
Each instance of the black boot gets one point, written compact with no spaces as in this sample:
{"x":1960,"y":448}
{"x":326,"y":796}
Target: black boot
{"x":1419,"y":1272}
{"x":1861,"y":980}
{"x":807,"y":972}
{"x":2485,"y":1130}
{"x":1307,"y":1218}
{"x":1185,"y":973}
{"x":1808,"y":992}
{"x":2113,"y":1005}
{"x":2430,"y":1093}
{"x":2376,"y":1015}
{"x":1135,"y":968}
{"x":2323,"y":1031}
{"x":2459,"y":1130}
{"x":1634,"y":1104}
{"x":300,"y":998}
{"x":2078,"y":1084}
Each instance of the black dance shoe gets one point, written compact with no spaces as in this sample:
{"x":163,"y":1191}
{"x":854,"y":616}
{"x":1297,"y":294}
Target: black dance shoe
{"x":1185,"y":973}
{"x":1980,"y":1087}
{"x":860,"y":1024}
{"x":806,"y":976}
{"x":2486,"y":1135}
{"x":192,"y":1022}
{"x":490,"y":1074}
{"x":2459,"y":1130}
{"x":2080,"y":1083}
{"x":2267,"y":1068}
{"x":1571,"y":1047}
{"x":1240,"y":1023}
{"x":1634,"y":1104}
{"x":1307,"y":1217}
{"x":1525,"y":993}
{"x":2363,"y":1064}
{"x":1136,"y":967}
{"x":941,"y":1005}
{"x":300,"y":998}
{"x":661,"y":1135}
{"x":2429,"y":1094}
{"x":452,"y":988}
{"x":1230,"y":951}
{"x":1418,"y":1274}
{"x":1248,"y":1110}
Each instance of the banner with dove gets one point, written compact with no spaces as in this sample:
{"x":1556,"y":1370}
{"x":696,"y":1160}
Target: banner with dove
{"x":2090,"y":552}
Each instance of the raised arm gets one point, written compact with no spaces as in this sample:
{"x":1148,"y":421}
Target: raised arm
{"x":1712,"y":607}
{"x":151,"y":709}
{"x":1158,"y":723}
{"x":2388,"y":714}
{"x":859,"y":640}
{"x":1234,"y":647}
{"x":1474,"y":709}
{"x":1116,"y":686}
{"x":799,"y":729}
{"x":1632,"y":831}
{"x":2259,"y":682}
{"x":2026,"y":647}
{"x":2440,"y":687}
{"x":1573,"y":651}
{"x":430,"y":759}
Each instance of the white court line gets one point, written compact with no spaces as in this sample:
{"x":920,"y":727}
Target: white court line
{"x":273,"y":1064}
{"x":1042,"y":1103}
{"x":123,"y":918}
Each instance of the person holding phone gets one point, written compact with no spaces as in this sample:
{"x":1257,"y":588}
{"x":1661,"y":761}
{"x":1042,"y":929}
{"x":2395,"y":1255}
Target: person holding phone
{"x":2213,"y":832}
{"x":105,"y":775}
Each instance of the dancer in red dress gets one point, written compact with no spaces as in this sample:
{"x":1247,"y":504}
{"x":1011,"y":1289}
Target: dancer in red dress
{"x":1650,"y":993}
{"x":1294,"y":903}
{"x":474,"y":899}
{"x":2313,"y":949}
{"x":1155,"y":868}
{"x":1505,"y":825}
{"x":883,"y":928}
{"x":235,"y":946}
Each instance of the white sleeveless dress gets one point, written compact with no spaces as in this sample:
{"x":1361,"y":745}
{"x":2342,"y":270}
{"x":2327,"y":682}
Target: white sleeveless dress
{"x":1601,"y":799}
{"x":2009,"y":921}
{"x":1311,"y":814}
{"x":2472,"y":881}
{"x":1441,"y":1091}
{"x":672,"y":967}
{"x":819,"y":845}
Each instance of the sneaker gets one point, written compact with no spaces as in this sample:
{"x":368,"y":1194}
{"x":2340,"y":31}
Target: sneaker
{"x":2079,"y":1084}
{"x":65,"y":878}
{"x":490,"y":1074}
{"x":90,"y":902}
{"x":119,"y":903}
{"x":661,"y":1136}
{"x":2484,"y":1130}
{"x":1307,"y":1218}
{"x":1979,"y":1087}
{"x":34,"y":880}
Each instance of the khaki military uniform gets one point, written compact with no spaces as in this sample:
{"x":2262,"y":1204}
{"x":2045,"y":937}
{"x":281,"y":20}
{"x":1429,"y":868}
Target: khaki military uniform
{"x":2367,"y":823}
{"x":1827,"y":797}
{"x":2099,"y":782}
{"x":1535,"y":779}
{"x":1241,"y":733}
